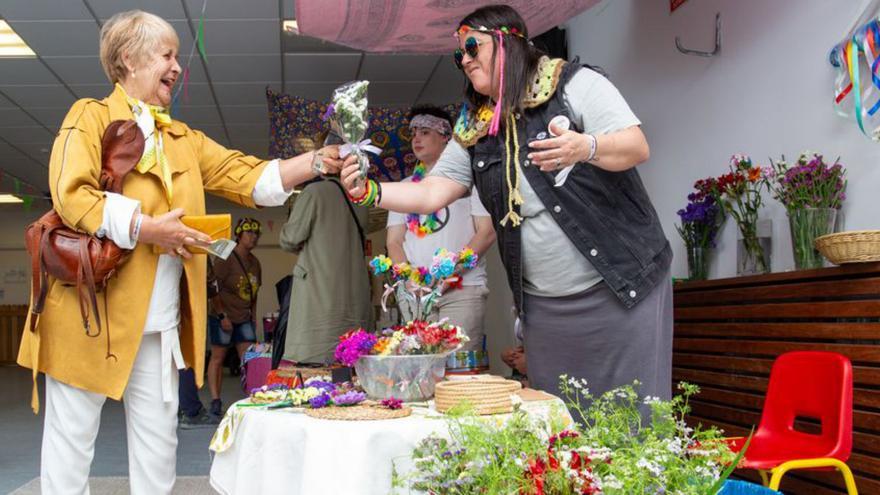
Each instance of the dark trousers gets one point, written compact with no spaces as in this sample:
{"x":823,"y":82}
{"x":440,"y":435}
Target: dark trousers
{"x":188,"y":394}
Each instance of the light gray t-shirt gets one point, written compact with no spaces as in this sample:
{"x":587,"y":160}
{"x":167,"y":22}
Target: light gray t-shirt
{"x":552,"y":265}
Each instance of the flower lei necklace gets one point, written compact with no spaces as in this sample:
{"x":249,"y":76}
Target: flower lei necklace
{"x":414,"y":223}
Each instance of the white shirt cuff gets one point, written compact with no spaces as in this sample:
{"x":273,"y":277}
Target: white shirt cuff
{"x":269,"y":191}
{"x":116,"y":225}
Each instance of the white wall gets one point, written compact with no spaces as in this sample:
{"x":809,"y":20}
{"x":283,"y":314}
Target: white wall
{"x":768,"y":93}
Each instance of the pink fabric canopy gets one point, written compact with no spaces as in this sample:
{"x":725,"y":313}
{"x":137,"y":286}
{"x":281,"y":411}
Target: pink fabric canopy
{"x":415,"y":26}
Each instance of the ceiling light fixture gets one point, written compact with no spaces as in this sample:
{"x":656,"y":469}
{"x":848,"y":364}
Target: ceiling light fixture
{"x":9,"y":198}
{"x":290,"y":26}
{"x":11,"y":44}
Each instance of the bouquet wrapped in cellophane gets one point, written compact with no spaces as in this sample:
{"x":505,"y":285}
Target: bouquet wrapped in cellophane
{"x":348,"y":115}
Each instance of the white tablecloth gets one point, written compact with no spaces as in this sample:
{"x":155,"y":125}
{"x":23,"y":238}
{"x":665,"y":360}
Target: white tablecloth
{"x":284,"y":451}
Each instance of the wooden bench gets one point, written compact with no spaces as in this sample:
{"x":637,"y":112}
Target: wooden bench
{"x":729,"y":331}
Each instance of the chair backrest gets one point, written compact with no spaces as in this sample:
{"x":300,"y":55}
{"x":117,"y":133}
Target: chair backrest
{"x":814,"y":385}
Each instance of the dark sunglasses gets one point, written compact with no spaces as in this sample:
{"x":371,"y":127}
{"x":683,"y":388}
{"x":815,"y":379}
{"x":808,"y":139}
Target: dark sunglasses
{"x":471,"y":47}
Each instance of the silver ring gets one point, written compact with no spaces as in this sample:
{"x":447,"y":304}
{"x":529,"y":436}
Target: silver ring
{"x":558,"y":162}
{"x":180,"y":250}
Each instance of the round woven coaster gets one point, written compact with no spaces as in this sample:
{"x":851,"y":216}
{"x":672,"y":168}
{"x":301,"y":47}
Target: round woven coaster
{"x":358,"y":413}
{"x":272,"y":400}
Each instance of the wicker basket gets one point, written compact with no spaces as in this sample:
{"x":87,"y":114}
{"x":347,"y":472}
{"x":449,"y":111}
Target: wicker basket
{"x":856,"y":246}
{"x":487,"y":396}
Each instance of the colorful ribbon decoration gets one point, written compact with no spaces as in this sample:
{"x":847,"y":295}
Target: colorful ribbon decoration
{"x":846,"y":57}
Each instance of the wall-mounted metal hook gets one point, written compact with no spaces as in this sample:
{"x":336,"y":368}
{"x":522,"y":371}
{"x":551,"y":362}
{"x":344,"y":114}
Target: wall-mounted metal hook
{"x":699,"y":53}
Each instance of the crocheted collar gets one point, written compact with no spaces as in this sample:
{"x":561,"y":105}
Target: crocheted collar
{"x":474,"y":125}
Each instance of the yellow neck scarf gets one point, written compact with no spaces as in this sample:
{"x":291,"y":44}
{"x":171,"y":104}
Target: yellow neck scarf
{"x":153,"y":155}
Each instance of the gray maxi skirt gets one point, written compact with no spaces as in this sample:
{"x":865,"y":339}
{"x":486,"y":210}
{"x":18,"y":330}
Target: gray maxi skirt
{"x":591,"y":335}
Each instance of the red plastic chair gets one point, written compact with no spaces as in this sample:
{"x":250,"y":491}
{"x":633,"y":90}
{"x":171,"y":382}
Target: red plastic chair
{"x":804,"y":385}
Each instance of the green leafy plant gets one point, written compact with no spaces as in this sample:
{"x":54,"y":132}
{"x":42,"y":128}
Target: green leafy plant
{"x":610,"y":449}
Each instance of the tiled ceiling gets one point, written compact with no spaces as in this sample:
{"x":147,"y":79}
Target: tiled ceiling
{"x":246,"y":52}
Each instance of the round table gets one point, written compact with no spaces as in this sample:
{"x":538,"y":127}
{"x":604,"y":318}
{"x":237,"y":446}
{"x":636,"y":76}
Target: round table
{"x":283,"y":451}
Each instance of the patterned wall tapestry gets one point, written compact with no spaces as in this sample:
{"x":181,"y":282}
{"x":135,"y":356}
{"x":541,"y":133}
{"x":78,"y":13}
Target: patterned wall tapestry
{"x":294,"y":118}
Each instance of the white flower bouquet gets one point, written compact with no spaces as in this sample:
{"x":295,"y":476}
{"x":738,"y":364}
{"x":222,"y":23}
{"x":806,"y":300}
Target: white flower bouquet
{"x":348,"y":117}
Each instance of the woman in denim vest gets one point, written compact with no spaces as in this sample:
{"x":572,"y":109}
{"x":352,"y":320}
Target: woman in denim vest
{"x":552,"y":149}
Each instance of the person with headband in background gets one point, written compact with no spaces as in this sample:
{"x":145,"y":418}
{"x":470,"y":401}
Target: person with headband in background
{"x":552,"y":147}
{"x":233,"y":317}
{"x":414,"y":238}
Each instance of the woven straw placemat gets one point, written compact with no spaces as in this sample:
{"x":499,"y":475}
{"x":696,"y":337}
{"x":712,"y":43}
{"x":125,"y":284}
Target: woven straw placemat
{"x":487,"y":396}
{"x":358,"y":413}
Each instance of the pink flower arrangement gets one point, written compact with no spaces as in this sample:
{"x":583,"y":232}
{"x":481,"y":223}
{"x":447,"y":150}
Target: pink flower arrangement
{"x":354,"y":344}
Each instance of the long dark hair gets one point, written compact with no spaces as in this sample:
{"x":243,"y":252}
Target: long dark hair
{"x":521,"y":58}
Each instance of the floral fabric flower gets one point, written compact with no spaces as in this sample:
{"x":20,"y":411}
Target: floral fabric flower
{"x":349,"y":398}
{"x":392,"y":403}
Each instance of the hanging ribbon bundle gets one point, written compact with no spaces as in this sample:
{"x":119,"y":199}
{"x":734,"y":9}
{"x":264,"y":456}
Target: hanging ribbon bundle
{"x":846,"y":57}
{"x":199,"y":45}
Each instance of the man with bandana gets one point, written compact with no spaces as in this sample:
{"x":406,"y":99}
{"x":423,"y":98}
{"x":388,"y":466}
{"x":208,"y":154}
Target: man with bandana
{"x":414,"y":238}
{"x":233,"y":316}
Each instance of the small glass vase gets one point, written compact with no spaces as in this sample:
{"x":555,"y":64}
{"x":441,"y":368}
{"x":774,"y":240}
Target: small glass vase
{"x":806,"y":225}
{"x":698,"y":262}
{"x":753,"y":248}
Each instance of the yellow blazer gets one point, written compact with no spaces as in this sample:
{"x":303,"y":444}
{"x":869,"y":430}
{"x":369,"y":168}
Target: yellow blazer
{"x":59,"y":347}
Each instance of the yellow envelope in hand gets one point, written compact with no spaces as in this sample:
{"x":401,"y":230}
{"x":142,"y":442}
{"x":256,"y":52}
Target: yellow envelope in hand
{"x":216,"y":226}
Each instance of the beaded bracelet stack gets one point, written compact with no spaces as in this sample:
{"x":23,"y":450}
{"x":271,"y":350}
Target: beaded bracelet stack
{"x":372,"y":194}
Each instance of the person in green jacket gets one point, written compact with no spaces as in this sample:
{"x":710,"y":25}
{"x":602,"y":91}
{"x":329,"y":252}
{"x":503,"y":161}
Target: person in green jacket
{"x":330,"y":293}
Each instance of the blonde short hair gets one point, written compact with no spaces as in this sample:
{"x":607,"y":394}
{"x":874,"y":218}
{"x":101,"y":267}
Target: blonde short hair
{"x":135,"y":33}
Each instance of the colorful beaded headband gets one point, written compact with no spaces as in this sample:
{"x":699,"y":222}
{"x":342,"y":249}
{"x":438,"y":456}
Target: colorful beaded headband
{"x":464,"y":29}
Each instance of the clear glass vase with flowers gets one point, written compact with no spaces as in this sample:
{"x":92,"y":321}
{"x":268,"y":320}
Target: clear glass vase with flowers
{"x":812,"y":192}
{"x":701,"y":220}
{"x":739,"y":194}
{"x":406,"y":361}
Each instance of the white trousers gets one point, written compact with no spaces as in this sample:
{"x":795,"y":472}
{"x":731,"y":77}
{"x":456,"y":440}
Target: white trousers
{"x":73,"y":416}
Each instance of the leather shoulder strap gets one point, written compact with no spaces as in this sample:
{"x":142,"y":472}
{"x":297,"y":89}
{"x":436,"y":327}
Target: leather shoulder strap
{"x":353,"y":215}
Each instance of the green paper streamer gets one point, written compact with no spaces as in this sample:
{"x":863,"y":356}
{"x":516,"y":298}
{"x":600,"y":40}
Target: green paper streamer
{"x":200,"y":38}
{"x":27,"y":201}
{"x":16,"y":185}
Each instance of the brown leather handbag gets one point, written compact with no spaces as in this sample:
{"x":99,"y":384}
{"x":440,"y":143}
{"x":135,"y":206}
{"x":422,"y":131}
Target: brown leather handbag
{"x":77,"y":258}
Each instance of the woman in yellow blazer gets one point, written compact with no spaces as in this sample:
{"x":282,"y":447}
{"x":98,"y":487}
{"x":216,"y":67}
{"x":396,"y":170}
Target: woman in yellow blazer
{"x":157,"y":303}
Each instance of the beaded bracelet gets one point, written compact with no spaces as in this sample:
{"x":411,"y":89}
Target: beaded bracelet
{"x":370,"y":197}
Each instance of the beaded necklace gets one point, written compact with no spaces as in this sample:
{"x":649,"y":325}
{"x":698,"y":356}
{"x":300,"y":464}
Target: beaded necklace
{"x":414,"y":223}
